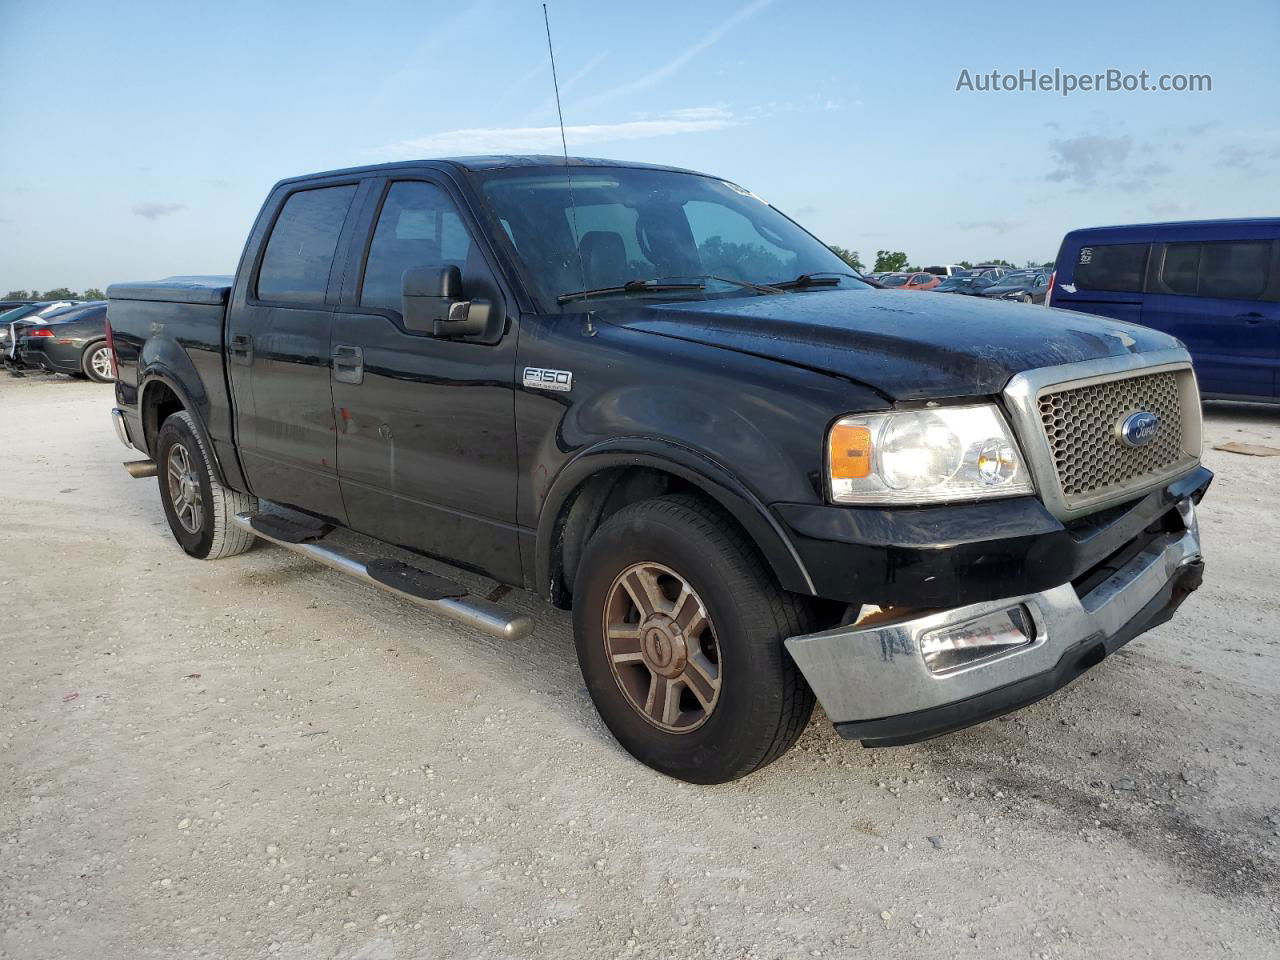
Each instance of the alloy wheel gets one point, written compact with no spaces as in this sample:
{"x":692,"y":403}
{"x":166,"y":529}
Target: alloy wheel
{"x":662,"y":647}
{"x":184,"y":489}
{"x":100,"y":362}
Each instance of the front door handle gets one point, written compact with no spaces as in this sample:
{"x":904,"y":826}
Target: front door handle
{"x":1252,"y":318}
{"x":348,"y":364}
{"x":241,"y":349}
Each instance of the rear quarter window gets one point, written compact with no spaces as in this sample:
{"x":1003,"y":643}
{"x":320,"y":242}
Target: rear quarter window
{"x":299,"y":255}
{"x":1117,"y":267}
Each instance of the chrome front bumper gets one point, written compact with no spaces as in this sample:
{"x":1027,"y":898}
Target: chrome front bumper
{"x":874,"y":684}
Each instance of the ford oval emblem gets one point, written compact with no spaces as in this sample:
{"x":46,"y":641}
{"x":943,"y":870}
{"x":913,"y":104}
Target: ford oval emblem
{"x":1139,"y":429}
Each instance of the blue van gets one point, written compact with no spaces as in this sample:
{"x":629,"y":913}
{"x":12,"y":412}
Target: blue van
{"x":1213,"y":284}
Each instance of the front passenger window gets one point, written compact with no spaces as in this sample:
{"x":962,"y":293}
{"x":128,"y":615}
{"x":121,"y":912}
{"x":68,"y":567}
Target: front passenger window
{"x":418,"y":227}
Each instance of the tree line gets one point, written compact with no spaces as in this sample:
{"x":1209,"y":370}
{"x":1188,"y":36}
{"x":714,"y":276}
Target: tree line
{"x":895,"y":261}
{"x":57,"y":293}
{"x":887,"y":261}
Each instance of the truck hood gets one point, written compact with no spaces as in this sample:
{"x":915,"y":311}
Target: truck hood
{"x":904,"y":344}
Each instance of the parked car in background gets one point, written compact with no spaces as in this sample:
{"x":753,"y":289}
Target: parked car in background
{"x":12,"y":321}
{"x":1022,"y":286}
{"x":910,"y":281}
{"x":72,"y":341}
{"x":965,"y":285}
{"x":1213,"y":284}
{"x":984,"y":272}
{"x":948,"y":270}
{"x":10,"y":304}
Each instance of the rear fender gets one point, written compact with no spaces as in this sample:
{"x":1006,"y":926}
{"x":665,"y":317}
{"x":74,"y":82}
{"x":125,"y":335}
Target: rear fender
{"x":155,"y":376}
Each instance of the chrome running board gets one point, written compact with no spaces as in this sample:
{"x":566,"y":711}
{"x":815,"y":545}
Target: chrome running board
{"x":418,"y":586}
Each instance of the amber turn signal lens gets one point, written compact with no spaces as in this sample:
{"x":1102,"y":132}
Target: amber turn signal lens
{"x":850,"y":452}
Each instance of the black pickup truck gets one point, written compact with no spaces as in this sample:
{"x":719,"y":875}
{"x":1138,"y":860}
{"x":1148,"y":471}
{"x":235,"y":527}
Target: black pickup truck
{"x":650,"y":397}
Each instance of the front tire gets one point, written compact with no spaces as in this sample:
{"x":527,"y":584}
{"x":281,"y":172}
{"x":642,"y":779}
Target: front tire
{"x":199,"y":508}
{"x":679,"y":626}
{"x":96,"y":362}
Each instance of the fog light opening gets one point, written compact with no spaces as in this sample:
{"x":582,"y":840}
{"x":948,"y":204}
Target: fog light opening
{"x":982,"y":638}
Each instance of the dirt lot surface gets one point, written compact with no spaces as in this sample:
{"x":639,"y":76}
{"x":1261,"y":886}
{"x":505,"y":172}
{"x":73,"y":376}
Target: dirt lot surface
{"x":258,"y":758}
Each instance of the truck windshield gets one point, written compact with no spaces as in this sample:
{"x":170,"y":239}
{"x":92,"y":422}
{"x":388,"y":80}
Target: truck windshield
{"x":629,"y":228}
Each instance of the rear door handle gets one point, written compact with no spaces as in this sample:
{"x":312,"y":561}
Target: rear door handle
{"x":1252,"y":318}
{"x":241,"y":349}
{"x":348,"y":364}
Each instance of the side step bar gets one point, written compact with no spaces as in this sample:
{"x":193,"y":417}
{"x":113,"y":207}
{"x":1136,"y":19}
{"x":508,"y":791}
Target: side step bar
{"x":425,"y":589}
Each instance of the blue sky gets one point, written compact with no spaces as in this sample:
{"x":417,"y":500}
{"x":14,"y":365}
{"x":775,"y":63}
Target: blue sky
{"x":140,"y":138}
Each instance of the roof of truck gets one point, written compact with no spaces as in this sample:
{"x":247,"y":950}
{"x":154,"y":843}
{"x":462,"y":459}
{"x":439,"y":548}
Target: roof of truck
{"x":495,"y":162}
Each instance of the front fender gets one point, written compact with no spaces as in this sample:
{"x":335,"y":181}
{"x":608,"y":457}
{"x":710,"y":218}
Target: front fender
{"x":688,"y":464}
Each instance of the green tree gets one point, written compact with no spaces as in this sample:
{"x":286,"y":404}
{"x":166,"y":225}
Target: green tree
{"x":58,"y":293}
{"x":890,"y":261}
{"x":93,"y":293}
{"x":721,"y":256}
{"x":19,"y":295}
{"x":966,"y":264}
{"x":849,"y":256}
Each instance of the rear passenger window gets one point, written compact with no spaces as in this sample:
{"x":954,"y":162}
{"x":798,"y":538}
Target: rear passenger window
{"x":1181,"y":268}
{"x":1111,"y":266}
{"x":299,"y":255}
{"x":1236,"y":270}
{"x":418,"y":227}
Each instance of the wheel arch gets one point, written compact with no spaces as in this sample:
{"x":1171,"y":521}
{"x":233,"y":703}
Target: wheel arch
{"x":610,"y":475}
{"x":162,"y":395}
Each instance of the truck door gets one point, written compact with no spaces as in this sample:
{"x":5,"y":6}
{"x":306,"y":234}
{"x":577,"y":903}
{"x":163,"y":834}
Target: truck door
{"x":1212,"y":297}
{"x":426,"y":431}
{"x":278,"y":332}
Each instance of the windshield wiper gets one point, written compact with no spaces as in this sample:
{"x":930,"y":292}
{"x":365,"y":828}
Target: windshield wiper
{"x":631,"y":286}
{"x":819,"y":278}
{"x":664,"y":285}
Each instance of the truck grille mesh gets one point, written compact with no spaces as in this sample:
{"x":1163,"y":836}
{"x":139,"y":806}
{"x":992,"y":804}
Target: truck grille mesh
{"x":1081,"y":424}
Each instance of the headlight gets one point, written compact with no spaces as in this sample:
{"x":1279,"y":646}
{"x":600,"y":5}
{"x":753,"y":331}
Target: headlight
{"x":925,"y":456}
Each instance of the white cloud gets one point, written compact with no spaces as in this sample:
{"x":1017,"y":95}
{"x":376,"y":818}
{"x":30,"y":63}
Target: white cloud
{"x":1082,"y":159}
{"x":671,"y":66}
{"x":153,"y":211}
{"x":484,"y":140}
{"x":995,"y":226}
{"x":548,"y":106}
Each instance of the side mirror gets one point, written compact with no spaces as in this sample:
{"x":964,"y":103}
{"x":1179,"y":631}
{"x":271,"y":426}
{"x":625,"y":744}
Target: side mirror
{"x":431,"y":302}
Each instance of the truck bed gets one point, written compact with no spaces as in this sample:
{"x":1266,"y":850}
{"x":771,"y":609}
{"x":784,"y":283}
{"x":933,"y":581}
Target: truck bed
{"x":213,"y":289}
{"x":171,"y":330}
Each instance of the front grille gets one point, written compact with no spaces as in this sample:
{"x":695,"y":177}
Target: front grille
{"x":1082,"y":427}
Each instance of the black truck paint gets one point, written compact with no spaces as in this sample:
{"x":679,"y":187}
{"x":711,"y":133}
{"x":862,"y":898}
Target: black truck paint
{"x":438,"y":445}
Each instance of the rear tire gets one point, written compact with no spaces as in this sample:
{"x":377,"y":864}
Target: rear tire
{"x":199,"y":508}
{"x":687,"y":561}
{"x":95,"y":362}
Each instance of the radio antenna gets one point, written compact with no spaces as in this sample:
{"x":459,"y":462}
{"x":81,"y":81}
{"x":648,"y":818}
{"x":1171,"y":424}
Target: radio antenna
{"x":564,"y":145}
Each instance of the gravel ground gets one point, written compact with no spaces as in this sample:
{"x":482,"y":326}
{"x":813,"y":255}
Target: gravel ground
{"x":258,"y":758}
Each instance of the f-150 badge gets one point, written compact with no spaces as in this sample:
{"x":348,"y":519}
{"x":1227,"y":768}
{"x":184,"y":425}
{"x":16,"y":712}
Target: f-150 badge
{"x":540,"y":378}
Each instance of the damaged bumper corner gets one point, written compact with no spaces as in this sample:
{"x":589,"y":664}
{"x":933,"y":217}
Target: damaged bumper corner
{"x":875,"y":683}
